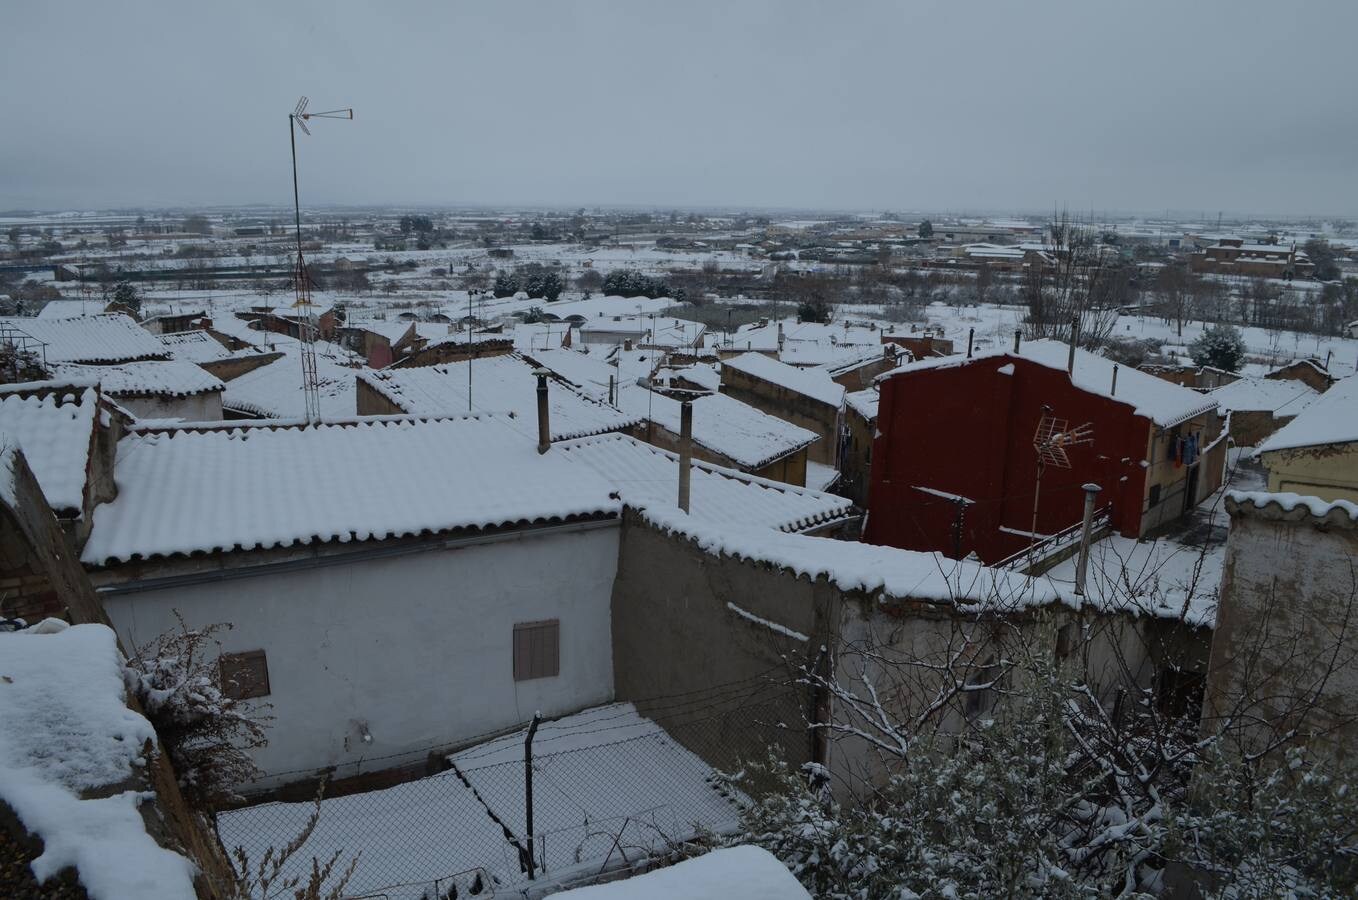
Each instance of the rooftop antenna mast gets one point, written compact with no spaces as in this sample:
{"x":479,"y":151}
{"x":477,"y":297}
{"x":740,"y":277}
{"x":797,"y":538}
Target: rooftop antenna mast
{"x":1050,"y":441}
{"x":298,"y":118}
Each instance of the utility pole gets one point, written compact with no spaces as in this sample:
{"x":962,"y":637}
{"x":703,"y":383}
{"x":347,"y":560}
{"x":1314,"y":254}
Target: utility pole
{"x":301,"y":280}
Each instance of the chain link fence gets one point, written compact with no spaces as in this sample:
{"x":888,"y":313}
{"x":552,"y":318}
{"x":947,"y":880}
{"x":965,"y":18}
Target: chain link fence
{"x":609,"y":786}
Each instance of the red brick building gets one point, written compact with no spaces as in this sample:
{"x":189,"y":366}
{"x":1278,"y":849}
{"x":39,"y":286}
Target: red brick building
{"x":954,"y":465}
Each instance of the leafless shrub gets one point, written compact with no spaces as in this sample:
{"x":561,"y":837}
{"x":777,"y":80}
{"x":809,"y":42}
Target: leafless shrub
{"x":207,"y":734}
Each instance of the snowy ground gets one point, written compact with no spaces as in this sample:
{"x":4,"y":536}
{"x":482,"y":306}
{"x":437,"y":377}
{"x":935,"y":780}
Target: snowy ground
{"x":1179,"y":572}
{"x":605,"y":781}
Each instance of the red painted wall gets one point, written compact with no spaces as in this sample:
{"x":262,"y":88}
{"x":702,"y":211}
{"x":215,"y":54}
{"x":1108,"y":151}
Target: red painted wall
{"x":968,"y":430}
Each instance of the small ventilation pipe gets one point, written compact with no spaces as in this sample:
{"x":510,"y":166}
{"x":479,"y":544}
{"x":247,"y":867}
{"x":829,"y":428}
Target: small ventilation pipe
{"x":1113,"y":391}
{"x":1074,"y":342}
{"x":1018,"y":337}
{"x":971,"y":336}
{"x":544,"y":421}
{"x":685,"y":452}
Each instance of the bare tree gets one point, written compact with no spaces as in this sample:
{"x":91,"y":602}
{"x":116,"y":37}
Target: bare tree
{"x":1077,"y":285}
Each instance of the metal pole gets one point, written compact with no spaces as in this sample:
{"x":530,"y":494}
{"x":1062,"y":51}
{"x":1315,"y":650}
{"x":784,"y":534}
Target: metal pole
{"x":1091,"y":493}
{"x":528,"y":786}
{"x":469,"y":355}
{"x":296,"y":200}
{"x":685,"y":452}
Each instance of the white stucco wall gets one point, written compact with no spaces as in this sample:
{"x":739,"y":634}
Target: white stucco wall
{"x":197,"y":408}
{"x":419,"y":647}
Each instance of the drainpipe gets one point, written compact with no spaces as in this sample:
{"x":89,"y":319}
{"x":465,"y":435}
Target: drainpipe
{"x":685,"y":451}
{"x":544,"y":424}
{"x":1081,"y":567}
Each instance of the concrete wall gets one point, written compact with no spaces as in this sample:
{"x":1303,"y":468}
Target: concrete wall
{"x":1287,"y":613}
{"x":1172,"y":479}
{"x":418,"y":647}
{"x":675,"y":637}
{"x":196,"y":408}
{"x":227,"y":369}
{"x":1328,"y":471}
{"x":855,"y":463}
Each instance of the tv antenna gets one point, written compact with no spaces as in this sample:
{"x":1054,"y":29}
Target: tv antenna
{"x":311,"y":389}
{"x":1051,"y":440}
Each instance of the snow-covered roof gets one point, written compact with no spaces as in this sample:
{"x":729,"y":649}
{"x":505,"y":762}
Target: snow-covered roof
{"x":748,"y":872}
{"x":855,"y":566}
{"x":668,"y":332}
{"x":274,"y":390}
{"x":813,"y":383}
{"x":498,"y":384}
{"x":864,"y":402}
{"x":204,"y":490}
{"x":747,"y":436}
{"x":1280,"y":396}
{"x":71,"y":309}
{"x":1332,"y":418}
{"x":648,"y":476}
{"x":68,"y":746}
{"x":589,"y":373}
{"x":150,"y":378}
{"x":596,"y":751}
{"x":1164,"y":403}
{"x":53,"y":423}
{"x":193,"y":346}
{"x":1161,"y":401}
{"x":705,"y":375}
{"x":392,"y":331}
{"x":103,"y":338}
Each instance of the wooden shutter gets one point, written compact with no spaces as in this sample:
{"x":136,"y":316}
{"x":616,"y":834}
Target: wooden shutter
{"x":537,"y":650}
{"x":245,"y":675}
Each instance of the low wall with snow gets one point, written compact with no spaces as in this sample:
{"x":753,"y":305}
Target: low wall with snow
{"x":709,"y":618}
{"x":414,"y":650}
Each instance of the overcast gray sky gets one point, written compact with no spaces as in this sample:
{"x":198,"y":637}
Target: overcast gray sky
{"x":1236,"y":106}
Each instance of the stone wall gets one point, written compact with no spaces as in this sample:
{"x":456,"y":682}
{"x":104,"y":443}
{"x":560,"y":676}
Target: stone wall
{"x":1289,"y":599}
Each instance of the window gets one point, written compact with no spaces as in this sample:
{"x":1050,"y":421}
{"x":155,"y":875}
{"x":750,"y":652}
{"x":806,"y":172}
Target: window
{"x":537,"y":650}
{"x":1154,"y":498}
{"x":245,"y":675}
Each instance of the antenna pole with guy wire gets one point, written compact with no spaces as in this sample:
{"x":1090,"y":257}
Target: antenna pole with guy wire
{"x":301,"y":280}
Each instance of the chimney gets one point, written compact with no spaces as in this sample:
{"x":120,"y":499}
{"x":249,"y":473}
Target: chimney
{"x":780,"y":337}
{"x":1074,"y":341}
{"x":685,"y":451}
{"x":1082,"y":567}
{"x":1018,"y":336}
{"x":544,"y":423}
{"x":627,"y":345}
{"x":971,"y":335}
{"x":1114,"y":391}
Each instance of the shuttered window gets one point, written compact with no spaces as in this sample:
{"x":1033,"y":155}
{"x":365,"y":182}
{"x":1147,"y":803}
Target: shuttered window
{"x":537,"y":650}
{"x":245,"y":675}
